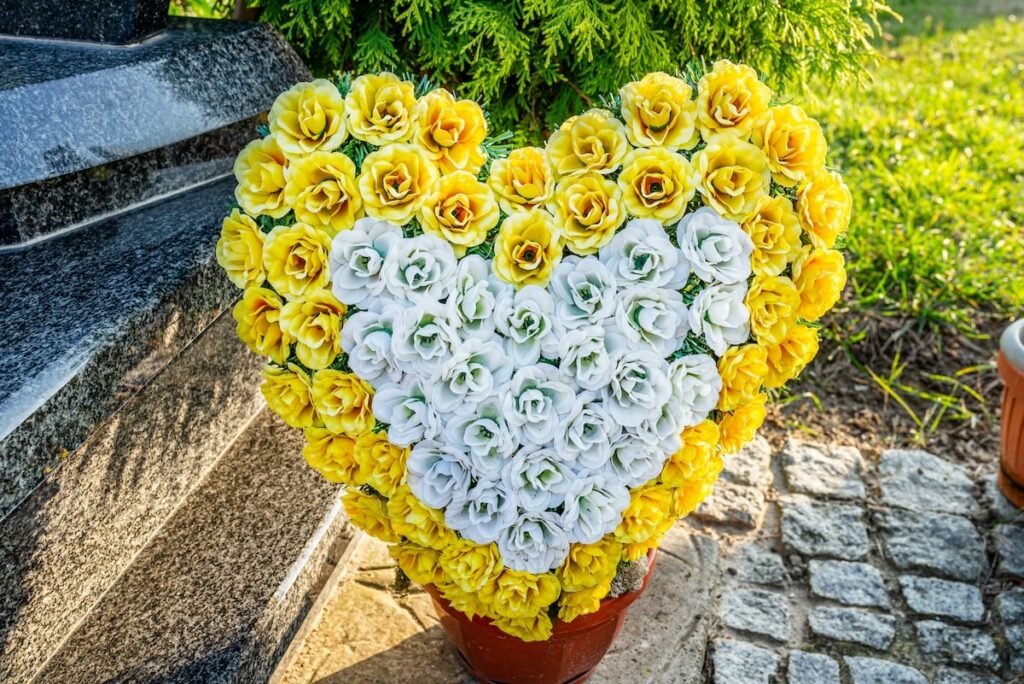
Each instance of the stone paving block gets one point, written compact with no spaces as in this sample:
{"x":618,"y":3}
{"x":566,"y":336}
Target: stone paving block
{"x":946,"y":544}
{"x":855,"y":584}
{"x":734,"y":504}
{"x":751,"y":465}
{"x":737,"y":662}
{"x":854,"y":625}
{"x":824,"y":471}
{"x":1009,"y":541}
{"x":755,"y":564}
{"x":1002,"y":510}
{"x":960,"y":645}
{"x":924,"y":482}
{"x":947,"y":675}
{"x":757,"y":611}
{"x":874,"y":671}
{"x":811,"y":668}
{"x":1010,"y":608}
{"x":816,"y":528}
{"x":933,"y":596}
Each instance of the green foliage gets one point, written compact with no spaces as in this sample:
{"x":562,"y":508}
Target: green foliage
{"x":536,"y":62}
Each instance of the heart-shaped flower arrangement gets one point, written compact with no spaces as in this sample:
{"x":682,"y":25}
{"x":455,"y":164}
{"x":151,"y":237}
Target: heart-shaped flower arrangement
{"x":526,"y":367}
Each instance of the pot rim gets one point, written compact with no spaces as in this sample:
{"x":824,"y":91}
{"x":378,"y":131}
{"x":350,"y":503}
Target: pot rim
{"x":1011,"y":343}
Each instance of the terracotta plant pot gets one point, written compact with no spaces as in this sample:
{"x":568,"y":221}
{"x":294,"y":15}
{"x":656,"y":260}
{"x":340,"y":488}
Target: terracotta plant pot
{"x":573,"y":651}
{"x":1011,"y":368}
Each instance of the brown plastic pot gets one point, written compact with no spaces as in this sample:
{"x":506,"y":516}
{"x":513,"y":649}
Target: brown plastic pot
{"x":1011,"y":368}
{"x":573,"y":651}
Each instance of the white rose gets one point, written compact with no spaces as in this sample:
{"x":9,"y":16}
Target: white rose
{"x":483,"y":513}
{"x":718,"y":250}
{"x":536,"y":401}
{"x":357,"y":258}
{"x":486,"y":435}
{"x":651,"y":317}
{"x":538,"y":478}
{"x":534,"y":542}
{"x":470,"y":375}
{"x":641,"y":253}
{"x":476,"y":293}
{"x":438,"y":474}
{"x":584,"y":291}
{"x":366,"y":338}
{"x":662,"y":428}
{"x":719,"y":313}
{"x":526,"y":319}
{"x":639,"y":386}
{"x":420,"y":269}
{"x":423,"y":337}
{"x":404,"y":406}
{"x":634,"y":462}
{"x":695,"y":386}
{"x":588,"y":432}
{"x":585,"y":358}
{"x":593,"y":508}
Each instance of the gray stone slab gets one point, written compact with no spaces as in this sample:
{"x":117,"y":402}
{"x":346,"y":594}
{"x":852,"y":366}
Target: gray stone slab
{"x":816,"y":528}
{"x":948,"y":675}
{"x":824,"y":471}
{"x":751,"y":465}
{"x":934,"y":596}
{"x":855,"y":584}
{"x":1010,"y":607}
{"x":811,"y":668}
{"x":1009,"y":541}
{"x":875,"y":671}
{"x":854,"y":625}
{"x":757,"y":611}
{"x":1002,"y":510}
{"x":946,"y":544}
{"x":924,"y":482}
{"x":735,"y":505}
{"x":754,"y":564}
{"x":959,"y":645}
{"x":737,"y":662}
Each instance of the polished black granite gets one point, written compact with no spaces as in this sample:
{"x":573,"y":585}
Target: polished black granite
{"x":68,"y":107}
{"x":107,"y":21}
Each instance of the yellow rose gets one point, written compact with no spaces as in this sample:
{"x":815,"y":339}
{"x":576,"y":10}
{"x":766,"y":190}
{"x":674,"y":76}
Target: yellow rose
{"x":471,"y":566}
{"x":696,"y":459}
{"x":733,"y":177}
{"x":308,"y":117}
{"x":382,"y":461}
{"x":583,"y":602}
{"x":517,"y":594}
{"x":450,"y":131}
{"x":740,"y":426}
{"x":322,"y":190}
{"x":588,"y":565}
{"x":527,"y":249}
{"x":775,"y":231}
{"x":591,"y":142}
{"x":657,"y":184}
{"x":333,"y":456}
{"x":258,"y":314}
{"x":689,"y":496}
{"x":773,"y":302}
{"x":343,"y":402}
{"x":394,"y":181}
{"x":589,"y":209}
{"x":658,"y":112}
{"x":824,"y":205}
{"x":240,"y":250}
{"x":523,"y":180}
{"x":743,"y":369}
{"x":534,"y":628}
{"x":419,"y":563}
{"x":314,"y":323}
{"x":369,"y":513}
{"x":792,"y":142}
{"x":417,"y":522}
{"x":260,"y":172}
{"x":649,"y":514}
{"x":461,"y":210}
{"x":730,"y":98}
{"x":287,"y":393}
{"x":295,"y":258}
{"x":633,"y":552}
{"x":379,"y":107}
{"x":820,"y":276}
{"x":791,"y":355}
{"x":466,"y":602}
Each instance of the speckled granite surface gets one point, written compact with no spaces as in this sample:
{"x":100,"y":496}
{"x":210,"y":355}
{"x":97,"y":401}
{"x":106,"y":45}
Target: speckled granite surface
{"x":214,"y":583}
{"x":112,"y":21}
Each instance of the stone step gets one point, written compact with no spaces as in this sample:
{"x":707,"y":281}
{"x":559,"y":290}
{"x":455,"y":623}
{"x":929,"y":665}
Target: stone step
{"x":219,"y":590}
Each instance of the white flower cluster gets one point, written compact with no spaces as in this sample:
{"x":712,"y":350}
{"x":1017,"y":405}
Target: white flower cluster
{"x":532,"y":412}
